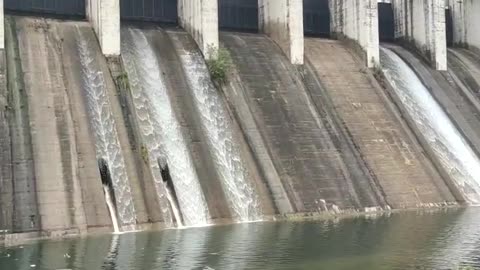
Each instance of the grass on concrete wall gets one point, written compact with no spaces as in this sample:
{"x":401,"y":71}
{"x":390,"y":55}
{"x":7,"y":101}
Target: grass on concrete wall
{"x":220,"y":65}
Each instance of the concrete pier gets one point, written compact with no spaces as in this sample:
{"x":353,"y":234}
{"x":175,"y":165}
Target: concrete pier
{"x":200,"y":19}
{"x":421,"y":23}
{"x":358,"y":21}
{"x":2,"y":27}
{"x":465,"y":15}
{"x":104,"y":15}
{"x":283,"y":22}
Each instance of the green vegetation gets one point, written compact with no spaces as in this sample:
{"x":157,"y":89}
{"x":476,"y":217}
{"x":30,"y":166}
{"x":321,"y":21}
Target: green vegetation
{"x":122,"y":81}
{"x":219,"y":64}
{"x":144,"y":153}
{"x":377,"y":72}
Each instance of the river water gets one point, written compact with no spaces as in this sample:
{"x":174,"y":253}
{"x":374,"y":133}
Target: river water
{"x":442,"y":239}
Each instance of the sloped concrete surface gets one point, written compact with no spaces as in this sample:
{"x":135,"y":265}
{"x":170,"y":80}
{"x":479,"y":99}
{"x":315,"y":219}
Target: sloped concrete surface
{"x":6,"y":195}
{"x":405,"y":176}
{"x":239,"y":159}
{"x":464,"y":68}
{"x":184,"y":109}
{"x":63,"y":178}
{"x":288,"y":133}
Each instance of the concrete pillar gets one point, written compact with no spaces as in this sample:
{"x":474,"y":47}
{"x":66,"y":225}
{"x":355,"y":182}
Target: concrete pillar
{"x":466,"y":20}
{"x":358,"y":20}
{"x":282,"y":20}
{"x":105,"y":18}
{"x":200,"y":19}
{"x":421,"y":23}
{"x":2,"y":26}
{"x":459,"y":22}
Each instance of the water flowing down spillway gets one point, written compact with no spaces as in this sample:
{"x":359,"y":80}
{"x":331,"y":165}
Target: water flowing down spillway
{"x":241,"y":195}
{"x":161,"y":130}
{"x":106,"y":138}
{"x":454,"y":153}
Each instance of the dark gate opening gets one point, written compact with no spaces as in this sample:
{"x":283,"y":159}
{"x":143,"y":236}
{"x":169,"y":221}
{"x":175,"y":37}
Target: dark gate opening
{"x":240,"y":15}
{"x":62,"y":8}
{"x":449,"y":26}
{"x":107,"y":183}
{"x":386,"y":25}
{"x":316,"y":18}
{"x":163,"y":11}
{"x":168,"y":181}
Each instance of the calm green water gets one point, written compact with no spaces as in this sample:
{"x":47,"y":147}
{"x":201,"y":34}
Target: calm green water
{"x":440,"y":240}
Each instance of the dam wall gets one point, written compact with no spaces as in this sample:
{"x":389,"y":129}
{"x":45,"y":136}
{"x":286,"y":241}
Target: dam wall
{"x":53,"y":160}
{"x":283,"y":134}
{"x":283,"y":21}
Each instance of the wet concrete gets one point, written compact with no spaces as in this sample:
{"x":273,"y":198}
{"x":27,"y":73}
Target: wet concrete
{"x":184,"y":109}
{"x":22,"y":205}
{"x":6,"y":196}
{"x":454,"y":101}
{"x":464,"y":69}
{"x":395,"y":160}
{"x":61,"y":193}
{"x":145,"y":179}
{"x":287,"y":134}
{"x":186,"y":112}
{"x":239,"y":159}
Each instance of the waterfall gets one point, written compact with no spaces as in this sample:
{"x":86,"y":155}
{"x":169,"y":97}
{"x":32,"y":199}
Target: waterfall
{"x":453,"y":152}
{"x":106,"y":138}
{"x":216,"y":123}
{"x":161,"y":130}
{"x":111,"y":209}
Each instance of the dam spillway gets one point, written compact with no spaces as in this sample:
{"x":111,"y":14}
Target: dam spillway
{"x":216,"y":122}
{"x":152,"y":132}
{"x":449,"y":146}
{"x":106,"y":137}
{"x":171,"y":116}
{"x":161,"y":130}
{"x":195,"y":104}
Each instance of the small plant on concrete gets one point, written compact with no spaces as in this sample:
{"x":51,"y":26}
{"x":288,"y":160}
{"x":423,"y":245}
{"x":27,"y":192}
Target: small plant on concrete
{"x":144,"y":153}
{"x":219,"y":64}
{"x":122,"y":81}
{"x":377,"y":72}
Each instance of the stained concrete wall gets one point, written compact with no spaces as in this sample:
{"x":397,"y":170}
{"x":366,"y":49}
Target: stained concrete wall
{"x":282,"y":20}
{"x":466,"y":18}
{"x":55,"y":183}
{"x":2,"y":26}
{"x":200,"y":19}
{"x":358,"y":20}
{"x":421,"y":23}
{"x":105,"y":18}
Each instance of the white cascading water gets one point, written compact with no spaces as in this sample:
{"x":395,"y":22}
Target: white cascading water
{"x":161,"y":131}
{"x":175,"y":209}
{"x":106,"y":138}
{"x":454,"y":153}
{"x":111,"y":209}
{"x":241,"y":195}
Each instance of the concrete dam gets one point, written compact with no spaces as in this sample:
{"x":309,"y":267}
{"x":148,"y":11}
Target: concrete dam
{"x":112,"y":117}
